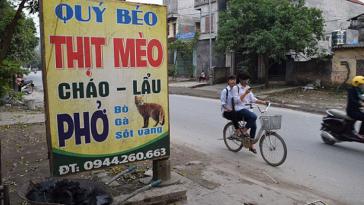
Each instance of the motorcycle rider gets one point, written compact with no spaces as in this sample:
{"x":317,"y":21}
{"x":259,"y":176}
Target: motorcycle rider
{"x":354,"y":104}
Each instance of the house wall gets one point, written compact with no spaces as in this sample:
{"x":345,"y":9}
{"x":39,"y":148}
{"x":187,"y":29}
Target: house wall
{"x":205,"y":12}
{"x":172,"y":6}
{"x":308,"y":71}
{"x":218,"y":60}
{"x":351,"y":55}
{"x":187,"y":16}
{"x":336,"y":13}
{"x":182,"y":18}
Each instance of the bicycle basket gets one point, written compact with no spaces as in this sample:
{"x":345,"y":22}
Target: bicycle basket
{"x":271,"y":122}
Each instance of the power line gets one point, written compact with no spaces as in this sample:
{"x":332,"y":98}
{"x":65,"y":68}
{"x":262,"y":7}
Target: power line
{"x":198,"y":13}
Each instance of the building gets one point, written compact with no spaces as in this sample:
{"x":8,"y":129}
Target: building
{"x":183,"y":24}
{"x":348,"y":59}
{"x":347,"y":51}
{"x":302,"y":69}
{"x":336,"y":14}
{"x":219,"y":62}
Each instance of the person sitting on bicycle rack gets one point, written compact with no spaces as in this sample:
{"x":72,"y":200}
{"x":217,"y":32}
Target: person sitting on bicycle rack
{"x":227,"y":101}
{"x":243,"y":97}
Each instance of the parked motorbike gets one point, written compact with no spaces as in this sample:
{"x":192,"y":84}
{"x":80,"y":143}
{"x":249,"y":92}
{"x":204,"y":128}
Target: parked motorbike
{"x":338,"y":127}
{"x":25,"y":86}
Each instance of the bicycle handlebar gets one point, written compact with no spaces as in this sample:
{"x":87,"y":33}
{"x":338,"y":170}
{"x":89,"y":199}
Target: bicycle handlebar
{"x":260,"y":110}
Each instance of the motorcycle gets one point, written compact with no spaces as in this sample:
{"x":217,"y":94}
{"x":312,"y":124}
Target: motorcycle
{"x":337,"y":127}
{"x":25,"y":86}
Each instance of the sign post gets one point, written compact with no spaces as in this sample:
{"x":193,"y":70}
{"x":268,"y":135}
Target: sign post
{"x":105,"y":79}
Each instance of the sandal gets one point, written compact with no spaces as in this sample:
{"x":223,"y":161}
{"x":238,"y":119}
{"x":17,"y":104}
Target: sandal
{"x":253,"y":150}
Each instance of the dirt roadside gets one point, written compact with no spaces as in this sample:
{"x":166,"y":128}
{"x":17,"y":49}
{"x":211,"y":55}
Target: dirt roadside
{"x":210,"y":180}
{"x":317,"y":101}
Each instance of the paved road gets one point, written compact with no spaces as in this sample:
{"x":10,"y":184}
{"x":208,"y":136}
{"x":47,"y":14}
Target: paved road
{"x":37,"y":80}
{"x":333,"y":171}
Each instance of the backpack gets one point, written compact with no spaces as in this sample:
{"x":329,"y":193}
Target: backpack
{"x":232,"y":99}
{"x":227,"y":92}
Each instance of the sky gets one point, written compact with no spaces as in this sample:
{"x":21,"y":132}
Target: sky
{"x":36,"y":19}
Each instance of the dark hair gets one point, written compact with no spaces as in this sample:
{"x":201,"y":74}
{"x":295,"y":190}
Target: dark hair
{"x":231,"y":77}
{"x":243,"y":76}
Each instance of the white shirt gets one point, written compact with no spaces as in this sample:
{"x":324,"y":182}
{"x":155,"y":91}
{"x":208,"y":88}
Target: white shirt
{"x":241,"y":104}
{"x":226,"y":103}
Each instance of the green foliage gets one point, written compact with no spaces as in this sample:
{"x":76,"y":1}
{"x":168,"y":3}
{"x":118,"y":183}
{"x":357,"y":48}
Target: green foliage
{"x":36,"y":61}
{"x":23,"y":42}
{"x":184,"y":47}
{"x":7,"y":74}
{"x":13,"y":95}
{"x":184,"y":50}
{"x":172,"y":71}
{"x":271,"y":28}
{"x":32,"y":6}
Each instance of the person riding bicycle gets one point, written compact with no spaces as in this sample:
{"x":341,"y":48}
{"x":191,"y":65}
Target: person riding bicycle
{"x":227,"y":106}
{"x":243,"y":97}
{"x":354,"y":104}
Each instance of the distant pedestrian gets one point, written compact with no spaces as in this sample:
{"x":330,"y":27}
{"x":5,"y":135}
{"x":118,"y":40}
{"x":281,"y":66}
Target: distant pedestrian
{"x":202,"y":76}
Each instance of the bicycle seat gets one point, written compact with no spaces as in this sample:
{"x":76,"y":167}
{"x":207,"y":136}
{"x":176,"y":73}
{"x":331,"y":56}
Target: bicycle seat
{"x":339,"y":114}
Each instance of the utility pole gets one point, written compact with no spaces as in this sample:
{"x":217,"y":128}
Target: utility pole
{"x":210,"y":41}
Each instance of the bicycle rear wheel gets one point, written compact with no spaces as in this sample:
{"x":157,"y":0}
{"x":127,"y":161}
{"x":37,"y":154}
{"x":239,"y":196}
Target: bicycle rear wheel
{"x":273,"y":149}
{"x":232,"y":142}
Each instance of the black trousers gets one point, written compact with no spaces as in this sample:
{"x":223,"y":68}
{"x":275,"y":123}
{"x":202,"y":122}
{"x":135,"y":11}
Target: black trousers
{"x":233,"y":116}
{"x":358,"y":116}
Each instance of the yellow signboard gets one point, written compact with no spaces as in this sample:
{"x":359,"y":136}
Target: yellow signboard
{"x":105,"y":77}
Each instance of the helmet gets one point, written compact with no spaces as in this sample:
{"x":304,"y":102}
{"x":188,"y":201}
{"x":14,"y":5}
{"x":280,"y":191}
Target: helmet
{"x":357,"y":81}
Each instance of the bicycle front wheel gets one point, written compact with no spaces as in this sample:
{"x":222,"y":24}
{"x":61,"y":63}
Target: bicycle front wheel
{"x":273,"y":149}
{"x":232,"y":142}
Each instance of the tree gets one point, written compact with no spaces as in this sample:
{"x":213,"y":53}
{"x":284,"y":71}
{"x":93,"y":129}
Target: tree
{"x":20,"y":49}
{"x":184,"y":49}
{"x":36,"y":61}
{"x":11,"y":26}
{"x":271,"y":29}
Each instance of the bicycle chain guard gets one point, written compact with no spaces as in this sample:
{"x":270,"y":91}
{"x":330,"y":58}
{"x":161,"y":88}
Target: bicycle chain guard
{"x":246,"y":142}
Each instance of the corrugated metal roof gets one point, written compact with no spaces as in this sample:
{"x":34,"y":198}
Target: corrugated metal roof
{"x":357,"y":1}
{"x":361,"y":45}
{"x":356,"y":17}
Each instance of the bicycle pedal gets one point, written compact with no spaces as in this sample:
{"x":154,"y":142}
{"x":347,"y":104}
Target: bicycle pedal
{"x":231,"y":137}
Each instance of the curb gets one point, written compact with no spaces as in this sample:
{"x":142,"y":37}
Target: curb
{"x":212,"y":95}
{"x":303,"y":109}
{"x":199,"y":85}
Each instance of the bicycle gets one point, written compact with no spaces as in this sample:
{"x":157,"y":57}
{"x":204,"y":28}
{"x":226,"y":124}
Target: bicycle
{"x":269,"y":140}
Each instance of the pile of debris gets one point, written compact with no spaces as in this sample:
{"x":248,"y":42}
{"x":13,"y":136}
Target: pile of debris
{"x":68,"y":192}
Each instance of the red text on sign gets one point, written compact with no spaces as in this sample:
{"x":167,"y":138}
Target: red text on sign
{"x":137,"y":53}
{"x":79,"y":50}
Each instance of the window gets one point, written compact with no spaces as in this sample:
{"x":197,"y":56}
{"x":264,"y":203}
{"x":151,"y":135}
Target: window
{"x":174,"y":29}
{"x":198,"y":27}
{"x":206,"y":24}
